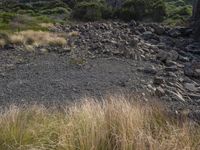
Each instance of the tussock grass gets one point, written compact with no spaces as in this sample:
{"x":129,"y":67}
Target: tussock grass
{"x":37,"y":38}
{"x":2,"y":43}
{"x":113,"y":124}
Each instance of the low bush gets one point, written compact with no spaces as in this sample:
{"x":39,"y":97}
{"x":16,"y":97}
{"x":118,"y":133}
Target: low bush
{"x":140,"y":9}
{"x":88,"y":11}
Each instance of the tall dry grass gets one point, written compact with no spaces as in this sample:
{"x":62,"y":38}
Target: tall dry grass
{"x":2,"y":43}
{"x":37,"y":38}
{"x":113,"y":124}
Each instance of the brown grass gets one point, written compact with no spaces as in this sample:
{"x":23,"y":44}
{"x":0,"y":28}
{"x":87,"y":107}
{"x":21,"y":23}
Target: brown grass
{"x":113,"y":124}
{"x":2,"y":43}
{"x":37,"y":38}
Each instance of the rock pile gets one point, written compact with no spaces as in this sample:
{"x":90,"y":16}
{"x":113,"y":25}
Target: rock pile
{"x":171,"y":52}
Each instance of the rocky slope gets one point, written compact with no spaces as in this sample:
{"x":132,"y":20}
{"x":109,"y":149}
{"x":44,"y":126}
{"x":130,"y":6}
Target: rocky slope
{"x":104,"y":57}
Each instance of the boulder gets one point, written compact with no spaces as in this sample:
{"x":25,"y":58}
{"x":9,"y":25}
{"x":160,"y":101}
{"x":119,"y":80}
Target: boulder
{"x":192,"y":69}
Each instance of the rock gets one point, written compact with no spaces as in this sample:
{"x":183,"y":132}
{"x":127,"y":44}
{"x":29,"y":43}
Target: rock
{"x":133,"y":23}
{"x":167,"y":56}
{"x":173,"y":55}
{"x":192,"y":69}
{"x":158,"y":29}
{"x":172,"y":68}
{"x":194,"y":96}
{"x":150,"y":35}
{"x":134,"y":42}
{"x":159,"y":92}
{"x":190,"y":87}
{"x":183,"y":59}
{"x":171,"y":74}
{"x":158,"y":80}
{"x":170,"y":63}
{"x":162,"y":55}
{"x":174,"y":33}
{"x":175,"y":95}
{"x":194,"y":48}
{"x":147,"y":35}
{"x":149,"y":70}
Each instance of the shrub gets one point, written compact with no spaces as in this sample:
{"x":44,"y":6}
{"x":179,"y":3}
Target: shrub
{"x":57,"y":10}
{"x":133,"y":9}
{"x":138,"y":9}
{"x":88,"y":11}
{"x":157,"y":10}
{"x":184,"y":11}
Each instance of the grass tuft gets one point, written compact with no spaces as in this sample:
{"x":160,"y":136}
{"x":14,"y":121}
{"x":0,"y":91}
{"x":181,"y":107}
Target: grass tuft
{"x":37,"y":38}
{"x":113,"y":124}
{"x":2,"y":43}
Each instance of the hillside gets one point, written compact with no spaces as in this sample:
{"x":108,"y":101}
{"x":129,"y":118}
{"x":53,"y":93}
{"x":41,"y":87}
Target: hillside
{"x":99,"y":74}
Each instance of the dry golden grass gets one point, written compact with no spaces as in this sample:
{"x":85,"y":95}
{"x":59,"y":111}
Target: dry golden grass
{"x":74,"y":33}
{"x":2,"y":43}
{"x":37,"y":38}
{"x":47,"y":25}
{"x":113,"y":124}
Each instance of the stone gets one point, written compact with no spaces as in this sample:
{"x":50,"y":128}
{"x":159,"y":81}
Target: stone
{"x":158,"y":80}
{"x":174,"y":33}
{"x":192,"y":69}
{"x":183,"y":59}
{"x":159,"y":92}
{"x":171,"y":68}
{"x":150,"y":70}
{"x":191,"y":87}
{"x":171,"y":74}
{"x":194,"y":96}
{"x":158,"y":29}
{"x":167,"y":56}
{"x":133,"y":23}
{"x":173,"y":55}
{"x":162,"y":56}
{"x":175,"y":95}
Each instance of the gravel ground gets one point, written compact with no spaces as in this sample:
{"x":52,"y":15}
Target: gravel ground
{"x":53,"y":78}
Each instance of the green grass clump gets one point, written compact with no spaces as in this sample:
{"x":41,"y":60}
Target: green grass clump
{"x":12,"y":22}
{"x":113,"y":124}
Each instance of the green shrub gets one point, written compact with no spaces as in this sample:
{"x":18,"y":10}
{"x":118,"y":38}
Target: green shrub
{"x":158,"y":10}
{"x":184,"y":11}
{"x":57,"y":10}
{"x":138,"y":9}
{"x":88,"y":11}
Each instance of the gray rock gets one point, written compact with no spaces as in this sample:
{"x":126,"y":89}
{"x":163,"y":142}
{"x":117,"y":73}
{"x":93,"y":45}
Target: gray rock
{"x":158,"y":80}
{"x":192,"y":69}
{"x":158,"y":29}
{"x":167,"y":56}
{"x":175,"y":95}
{"x":172,"y":68}
{"x":149,"y":70}
{"x":174,"y":33}
{"x":159,"y":92}
{"x":191,"y":87}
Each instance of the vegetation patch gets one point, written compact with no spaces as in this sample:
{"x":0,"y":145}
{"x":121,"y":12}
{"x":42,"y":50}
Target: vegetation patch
{"x":112,"y":124}
{"x":37,"y":38}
